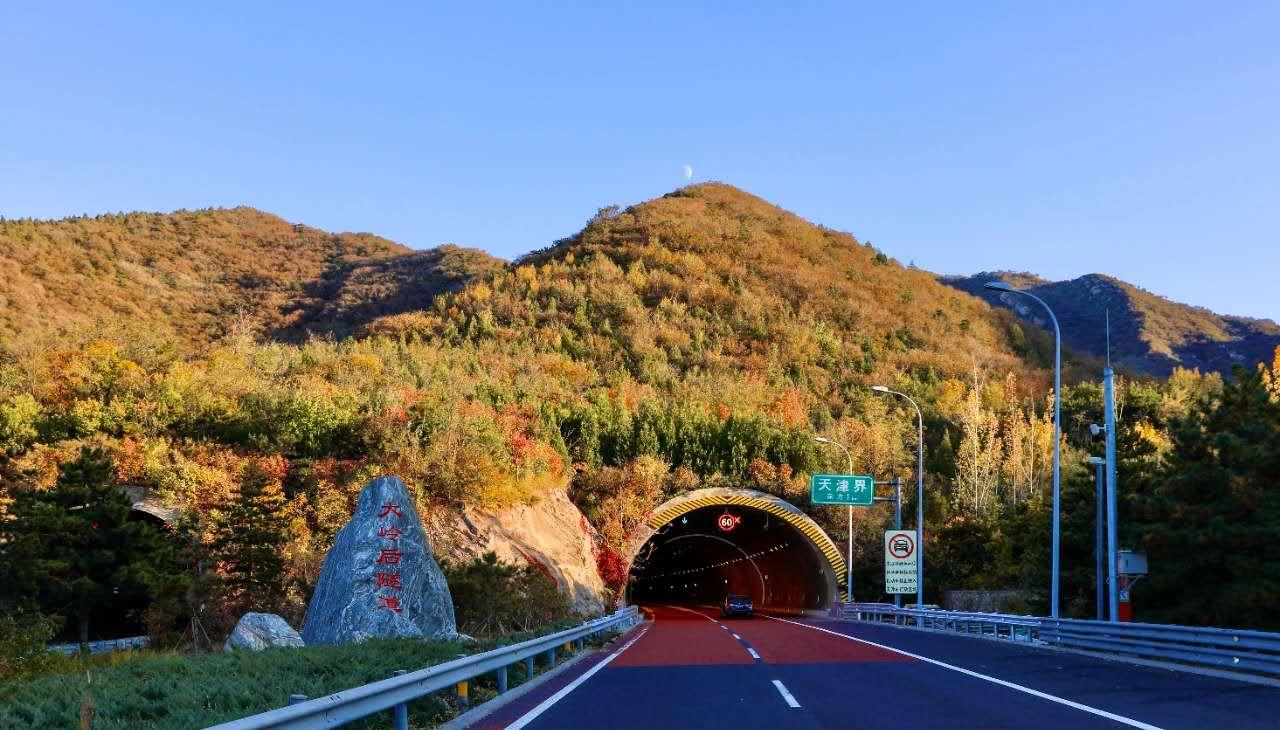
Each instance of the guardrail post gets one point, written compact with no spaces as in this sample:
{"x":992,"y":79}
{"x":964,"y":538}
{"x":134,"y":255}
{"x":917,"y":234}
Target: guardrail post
{"x":528,"y":667}
{"x":463,"y":691}
{"x":400,"y":713}
{"x":551,"y":657}
{"x":295,"y":699}
{"x":502,"y":679}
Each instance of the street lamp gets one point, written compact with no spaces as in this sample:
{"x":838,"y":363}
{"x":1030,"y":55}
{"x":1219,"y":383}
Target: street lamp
{"x":848,"y":565}
{"x":919,"y":492}
{"x":1004,"y":286}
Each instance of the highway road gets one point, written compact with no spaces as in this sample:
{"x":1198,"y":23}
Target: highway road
{"x":687,"y":668}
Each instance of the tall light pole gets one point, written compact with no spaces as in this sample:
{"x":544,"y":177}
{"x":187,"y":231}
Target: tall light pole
{"x":848,"y":565}
{"x":1004,"y":286}
{"x":919,"y":492}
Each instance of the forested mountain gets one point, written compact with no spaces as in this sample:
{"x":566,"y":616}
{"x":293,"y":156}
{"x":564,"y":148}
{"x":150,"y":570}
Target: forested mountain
{"x":191,"y":276}
{"x":1149,"y":333}
{"x":701,"y":338}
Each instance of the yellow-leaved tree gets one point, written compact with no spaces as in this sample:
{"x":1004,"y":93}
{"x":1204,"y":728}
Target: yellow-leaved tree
{"x":1271,"y":376}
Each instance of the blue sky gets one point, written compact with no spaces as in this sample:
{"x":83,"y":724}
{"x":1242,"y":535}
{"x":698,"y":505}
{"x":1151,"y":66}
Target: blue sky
{"x":1140,"y":139}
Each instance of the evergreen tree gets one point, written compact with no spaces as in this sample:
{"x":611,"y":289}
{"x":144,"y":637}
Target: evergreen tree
{"x":1210,"y":519}
{"x":249,"y":537}
{"x":73,"y":548}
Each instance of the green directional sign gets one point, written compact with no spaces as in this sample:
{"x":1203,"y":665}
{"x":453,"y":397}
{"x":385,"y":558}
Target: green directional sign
{"x":854,"y":489}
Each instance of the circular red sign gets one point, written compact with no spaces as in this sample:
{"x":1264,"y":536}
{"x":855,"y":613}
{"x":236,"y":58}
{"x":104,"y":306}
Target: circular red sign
{"x":901,"y":546}
{"x":727,"y":521}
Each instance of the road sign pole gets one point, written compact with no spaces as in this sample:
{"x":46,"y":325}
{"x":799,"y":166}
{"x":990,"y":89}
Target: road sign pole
{"x":848,"y":566}
{"x":897,"y":525}
{"x":1099,"y":552}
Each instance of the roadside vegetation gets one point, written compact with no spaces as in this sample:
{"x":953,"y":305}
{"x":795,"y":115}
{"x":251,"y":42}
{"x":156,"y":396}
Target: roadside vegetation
{"x":155,"y":690}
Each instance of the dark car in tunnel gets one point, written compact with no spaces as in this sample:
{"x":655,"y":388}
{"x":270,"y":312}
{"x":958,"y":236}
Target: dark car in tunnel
{"x":736,"y":606}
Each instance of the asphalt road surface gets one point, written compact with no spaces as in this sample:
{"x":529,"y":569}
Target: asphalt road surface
{"x":687,"y":668}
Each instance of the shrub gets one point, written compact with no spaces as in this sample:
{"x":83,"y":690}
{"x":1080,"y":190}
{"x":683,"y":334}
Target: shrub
{"x":491,"y":597}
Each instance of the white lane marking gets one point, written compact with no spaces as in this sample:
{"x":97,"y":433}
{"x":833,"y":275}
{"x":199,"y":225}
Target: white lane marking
{"x":994,"y":680}
{"x":753,"y":653}
{"x":726,"y":628}
{"x":543,"y":706}
{"x":787,"y":696}
{"x":739,"y":638}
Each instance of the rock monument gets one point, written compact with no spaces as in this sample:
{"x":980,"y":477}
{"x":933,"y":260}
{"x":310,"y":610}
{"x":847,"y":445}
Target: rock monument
{"x":380,"y":578}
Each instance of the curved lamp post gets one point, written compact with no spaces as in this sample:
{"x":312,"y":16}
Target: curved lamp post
{"x":848,"y":565}
{"x":919,"y":492}
{"x":1004,"y":286}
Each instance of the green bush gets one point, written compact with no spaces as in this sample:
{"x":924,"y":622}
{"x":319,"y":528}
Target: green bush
{"x":491,"y":597}
{"x":23,"y":637}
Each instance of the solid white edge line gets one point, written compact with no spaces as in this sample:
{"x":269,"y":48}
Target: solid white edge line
{"x":994,"y":680}
{"x":786,"y":696}
{"x":753,"y":653}
{"x":546,"y":704}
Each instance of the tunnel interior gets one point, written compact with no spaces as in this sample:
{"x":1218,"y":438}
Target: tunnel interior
{"x":694,"y":559}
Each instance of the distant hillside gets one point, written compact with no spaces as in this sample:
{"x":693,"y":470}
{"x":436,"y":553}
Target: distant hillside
{"x":190,"y":276}
{"x":710,"y":279}
{"x":1148,"y":332}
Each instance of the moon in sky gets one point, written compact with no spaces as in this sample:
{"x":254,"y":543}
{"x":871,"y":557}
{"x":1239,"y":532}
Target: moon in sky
{"x":688,"y":172}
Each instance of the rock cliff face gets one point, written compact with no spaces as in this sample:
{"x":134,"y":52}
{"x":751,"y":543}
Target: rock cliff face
{"x":380,"y":578}
{"x":550,"y":534}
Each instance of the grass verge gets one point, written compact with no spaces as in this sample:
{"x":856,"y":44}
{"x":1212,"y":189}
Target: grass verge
{"x":159,"y":690}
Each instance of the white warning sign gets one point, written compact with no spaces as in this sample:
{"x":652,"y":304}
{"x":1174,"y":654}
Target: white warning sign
{"x":900,"y":556}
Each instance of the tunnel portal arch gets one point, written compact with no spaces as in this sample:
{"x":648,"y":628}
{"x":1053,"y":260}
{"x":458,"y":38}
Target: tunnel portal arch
{"x":825,"y":553}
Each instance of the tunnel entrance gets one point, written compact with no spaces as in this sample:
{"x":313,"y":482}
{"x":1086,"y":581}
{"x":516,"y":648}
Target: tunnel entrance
{"x":705,"y":544}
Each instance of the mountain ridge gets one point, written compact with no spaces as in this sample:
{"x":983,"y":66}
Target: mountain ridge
{"x":193,"y":276}
{"x":1149,"y":333}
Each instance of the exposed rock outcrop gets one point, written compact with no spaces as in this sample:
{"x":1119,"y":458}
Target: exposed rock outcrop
{"x":550,"y":534}
{"x":380,"y":578}
{"x":258,"y":631}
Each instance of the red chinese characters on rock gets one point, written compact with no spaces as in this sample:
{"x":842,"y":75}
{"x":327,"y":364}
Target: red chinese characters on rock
{"x":389,"y":557}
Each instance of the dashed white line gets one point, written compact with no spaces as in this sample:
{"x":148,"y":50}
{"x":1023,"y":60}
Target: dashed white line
{"x":753,"y":653}
{"x":786,"y":696}
{"x":739,"y":638}
{"x":994,"y":680}
{"x":546,"y":704}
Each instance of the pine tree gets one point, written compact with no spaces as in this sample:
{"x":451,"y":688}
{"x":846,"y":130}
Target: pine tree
{"x":72,"y":549}
{"x":249,"y":537}
{"x":1209,"y":518}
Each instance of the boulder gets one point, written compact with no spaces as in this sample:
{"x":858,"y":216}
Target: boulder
{"x":258,"y":631}
{"x":380,"y":578}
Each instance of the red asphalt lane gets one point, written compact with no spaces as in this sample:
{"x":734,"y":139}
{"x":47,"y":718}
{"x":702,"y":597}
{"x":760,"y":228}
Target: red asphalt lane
{"x":684,"y":637}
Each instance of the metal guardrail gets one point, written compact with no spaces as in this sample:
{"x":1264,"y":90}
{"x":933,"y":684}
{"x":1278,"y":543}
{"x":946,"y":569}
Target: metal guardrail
{"x":396,"y":692}
{"x":96,"y":647}
{"x":1235,"y":649}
